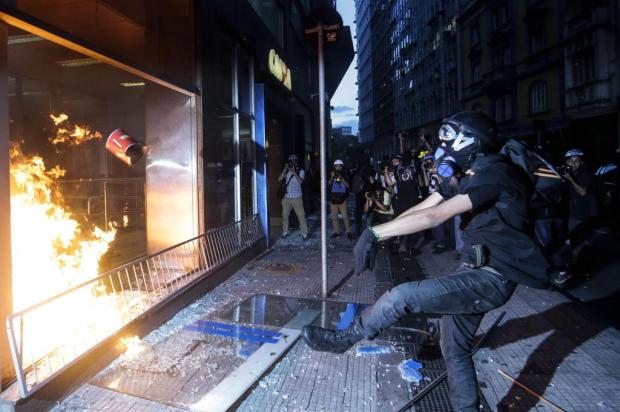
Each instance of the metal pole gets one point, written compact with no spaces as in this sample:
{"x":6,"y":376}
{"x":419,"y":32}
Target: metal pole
{"x":323,"y":163}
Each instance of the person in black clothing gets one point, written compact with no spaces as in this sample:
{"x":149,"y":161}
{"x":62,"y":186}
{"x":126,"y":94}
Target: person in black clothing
{"x":583,"y":208}
{"x":493,"y":198}
{"x":406,"y":194}
{"x":361,"y":185}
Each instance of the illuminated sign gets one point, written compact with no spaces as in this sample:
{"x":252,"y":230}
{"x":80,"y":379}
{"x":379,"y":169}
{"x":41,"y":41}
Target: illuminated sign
{"x":279,"y":69}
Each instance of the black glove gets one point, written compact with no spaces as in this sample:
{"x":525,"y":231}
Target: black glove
{"x":365,"y":252}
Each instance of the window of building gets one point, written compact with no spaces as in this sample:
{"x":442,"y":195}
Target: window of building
{"x":583,"y":66}
{"x":499,"y":16}
{"x":537,"y":41}
{"x":474,"y":33}
{"x":475,"y":71}
{"x":538,"y":97}
{"x":503,"y":107}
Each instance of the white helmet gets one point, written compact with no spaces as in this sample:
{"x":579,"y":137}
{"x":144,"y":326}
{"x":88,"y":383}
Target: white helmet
{"x":338,"y":162}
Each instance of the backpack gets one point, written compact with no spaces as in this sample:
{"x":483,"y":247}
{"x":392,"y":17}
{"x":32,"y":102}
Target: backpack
{"x":338,"y":192}
{"x":542,"y":174}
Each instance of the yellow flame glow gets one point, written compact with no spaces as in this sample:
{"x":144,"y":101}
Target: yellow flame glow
{"x":50,"y":251}
{"x":72,"y":135}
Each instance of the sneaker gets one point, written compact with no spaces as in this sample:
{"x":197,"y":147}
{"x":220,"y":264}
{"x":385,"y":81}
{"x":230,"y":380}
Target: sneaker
{"x":335,"y":235}
{"x":562,"y":277}
{"x":438,"y":249}
{"x":350,"y":236}
{"x":285,"y":234}
{"x":305,"y":237}
{"x":334,"y":341}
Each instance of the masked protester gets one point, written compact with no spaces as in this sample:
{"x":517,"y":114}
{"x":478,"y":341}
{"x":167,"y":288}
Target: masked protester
{"x":292,"y":177}
{"x":338,"y":194}
{"x":494,"y":196}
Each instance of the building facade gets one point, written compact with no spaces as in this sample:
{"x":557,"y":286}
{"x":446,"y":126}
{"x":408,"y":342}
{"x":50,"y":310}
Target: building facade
{"x":544,"y":70}
{"x":364,"y":70}
{"x":412,"y":55}
{"x":424,"y":52}
{"x":220,"y":93}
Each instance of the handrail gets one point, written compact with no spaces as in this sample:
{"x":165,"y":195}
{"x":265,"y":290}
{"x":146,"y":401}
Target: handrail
{"x":136,"y":288}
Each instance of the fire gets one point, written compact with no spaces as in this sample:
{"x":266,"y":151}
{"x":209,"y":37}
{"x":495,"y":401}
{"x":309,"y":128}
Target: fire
{"x":71,"y":135}
{"x":49,"y":247}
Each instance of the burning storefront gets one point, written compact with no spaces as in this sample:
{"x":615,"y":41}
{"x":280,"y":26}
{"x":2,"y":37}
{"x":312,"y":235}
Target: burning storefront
{"x":81,"y":77}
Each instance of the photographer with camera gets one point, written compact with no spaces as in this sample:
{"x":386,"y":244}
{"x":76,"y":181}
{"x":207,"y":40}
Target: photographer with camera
{"x":338,"y":195}
{"x":378,"y":206}
{"x":291,"y":179}
{"x":583,"y":207}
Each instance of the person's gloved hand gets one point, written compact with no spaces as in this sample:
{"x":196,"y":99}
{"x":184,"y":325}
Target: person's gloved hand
{"x":365,"y":251}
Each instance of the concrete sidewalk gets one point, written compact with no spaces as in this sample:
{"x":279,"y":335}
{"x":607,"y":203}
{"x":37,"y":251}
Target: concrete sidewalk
{"x":566,"y":351}
{"x":303,"y":380}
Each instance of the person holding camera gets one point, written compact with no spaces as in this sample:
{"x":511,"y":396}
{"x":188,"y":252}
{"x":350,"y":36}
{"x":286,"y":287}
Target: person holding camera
{"x":338,"y":194}
{"x":583,"y":207}
{"x":378,"y":206}
{"x":292,"y":177}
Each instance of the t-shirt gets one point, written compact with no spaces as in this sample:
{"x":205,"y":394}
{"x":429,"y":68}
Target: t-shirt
{"x":583,"y":207}
{"x":293,"y":189}
{"x":500,"y":220}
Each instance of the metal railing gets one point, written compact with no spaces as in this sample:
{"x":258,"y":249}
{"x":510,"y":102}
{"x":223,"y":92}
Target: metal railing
{"x":48,"y":337}
{"x":106,"y":201}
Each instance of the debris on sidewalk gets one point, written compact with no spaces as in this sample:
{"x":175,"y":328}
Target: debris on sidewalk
{"x":373,"y":350}
{"x":410,"y":370}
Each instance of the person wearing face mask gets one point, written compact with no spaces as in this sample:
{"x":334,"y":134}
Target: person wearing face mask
{"x":493,"y":198}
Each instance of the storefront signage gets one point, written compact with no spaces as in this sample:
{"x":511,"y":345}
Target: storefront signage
{"x":279,"y":69}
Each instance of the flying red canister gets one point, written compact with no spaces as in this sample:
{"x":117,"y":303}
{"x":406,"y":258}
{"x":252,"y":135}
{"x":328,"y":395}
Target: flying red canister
{"x":125,"y":147}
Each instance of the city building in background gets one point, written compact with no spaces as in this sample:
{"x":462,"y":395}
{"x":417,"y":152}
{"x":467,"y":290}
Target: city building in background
{"x":545,"y":70}
{"x":364,"y":70}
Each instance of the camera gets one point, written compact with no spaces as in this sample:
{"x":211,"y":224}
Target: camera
{"x":564,"y":170}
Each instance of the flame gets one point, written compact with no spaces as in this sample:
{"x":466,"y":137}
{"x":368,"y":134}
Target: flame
{"x":49,"y":247}
{"x":71,"y":135}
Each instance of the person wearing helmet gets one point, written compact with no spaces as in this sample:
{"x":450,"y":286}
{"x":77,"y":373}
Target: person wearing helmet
{"x":338,"y":195}
{"x":494,"y":195}
{"x":583,"y":209}
{"x":292,"y":177}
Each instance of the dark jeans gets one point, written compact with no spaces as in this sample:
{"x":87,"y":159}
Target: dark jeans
{"x":463,"y":298}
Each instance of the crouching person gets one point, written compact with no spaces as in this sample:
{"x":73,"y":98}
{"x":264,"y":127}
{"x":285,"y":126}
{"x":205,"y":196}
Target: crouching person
{"x":495,"y":195}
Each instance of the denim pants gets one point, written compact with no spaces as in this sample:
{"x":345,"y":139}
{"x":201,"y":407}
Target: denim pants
{"x":462,"y":298}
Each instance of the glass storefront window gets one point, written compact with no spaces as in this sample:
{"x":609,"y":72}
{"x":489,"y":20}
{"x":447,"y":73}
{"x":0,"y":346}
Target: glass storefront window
{"x":219,"y":161}
{"x":75,"y":206}
{"x":245,"y":94}
{"x":246,"y":159}
{"x":141,"y":32}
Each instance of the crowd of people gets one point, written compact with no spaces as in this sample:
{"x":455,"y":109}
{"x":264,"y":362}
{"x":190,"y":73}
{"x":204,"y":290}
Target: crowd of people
{"x":516,"y":217}
{"x":579,"y":201}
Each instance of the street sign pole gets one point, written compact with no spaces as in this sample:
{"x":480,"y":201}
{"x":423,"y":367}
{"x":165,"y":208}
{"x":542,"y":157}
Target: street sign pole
{"x":320,"y":30}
